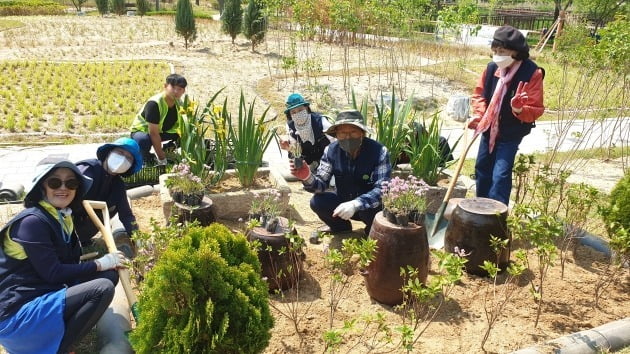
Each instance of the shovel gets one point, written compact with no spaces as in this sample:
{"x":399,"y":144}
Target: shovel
{"x":451,"y":186}
{"x":458,"y":109}
{"x":106,"y":231}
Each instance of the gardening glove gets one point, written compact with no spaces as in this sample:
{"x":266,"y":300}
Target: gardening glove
{"x":520,"y":97}
{"x":346,"y":210}
{"x":109,"y":261}
{"x":302,"y":173}
{"x":472,"y":124}
{"x":162,"y":162}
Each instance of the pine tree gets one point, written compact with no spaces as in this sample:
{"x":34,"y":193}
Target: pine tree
{"x":185,"y":21}
{"x":254,"y":23}
{"x":142,"y":7}
{"x":232,"y":18}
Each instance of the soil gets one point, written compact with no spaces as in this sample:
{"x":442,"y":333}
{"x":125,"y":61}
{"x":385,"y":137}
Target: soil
{"x":213,"y":62}
{"x":569,"y":304}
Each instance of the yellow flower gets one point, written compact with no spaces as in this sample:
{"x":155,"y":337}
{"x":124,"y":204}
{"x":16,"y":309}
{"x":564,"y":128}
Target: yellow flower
{"x":217,"y":109}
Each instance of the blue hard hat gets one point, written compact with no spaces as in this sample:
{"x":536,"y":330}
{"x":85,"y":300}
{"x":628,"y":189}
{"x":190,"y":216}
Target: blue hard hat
{"x":295,"y":100}
{"x":124,"y":143}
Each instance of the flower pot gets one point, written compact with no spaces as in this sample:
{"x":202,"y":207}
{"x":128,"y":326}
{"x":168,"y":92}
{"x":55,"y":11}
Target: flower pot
{"x":472,"y":223}
{"x":402,"y":219}
{"x":193,"y":199}
{"x":397,"y":247}
{"x":280,"y":267}
{"x":298,"y":162}
{"x":178,"y":196}
{"x":202,"y":212}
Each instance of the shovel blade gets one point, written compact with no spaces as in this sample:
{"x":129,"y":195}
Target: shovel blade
{"x":436,"y":241}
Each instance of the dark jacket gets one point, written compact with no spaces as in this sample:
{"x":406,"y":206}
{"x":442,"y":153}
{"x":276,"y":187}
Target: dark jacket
{"x":353,"y":177}
{"x":20,"y":281}
{"x":105,"y":188}
{"x":311,"y":152}
{"x":510,"y":127}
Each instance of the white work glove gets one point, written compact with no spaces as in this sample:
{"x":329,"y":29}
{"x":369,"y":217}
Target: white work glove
{"x":346,"y":210}
{"x":110,"y":261}
{"x":161,"y":162}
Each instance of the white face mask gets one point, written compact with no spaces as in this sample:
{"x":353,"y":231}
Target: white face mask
{"x":300,"y":117}
{"x":502,"y":61}
{"x":117,"y":163}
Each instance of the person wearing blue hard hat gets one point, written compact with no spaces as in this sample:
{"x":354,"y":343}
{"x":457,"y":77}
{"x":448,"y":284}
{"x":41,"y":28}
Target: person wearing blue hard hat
{"x":305,"y":128}
{"x":49,"y":299}
{"x":121,"y":158}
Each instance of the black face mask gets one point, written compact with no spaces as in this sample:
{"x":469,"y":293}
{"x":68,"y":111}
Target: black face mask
{"x":350,"y":145}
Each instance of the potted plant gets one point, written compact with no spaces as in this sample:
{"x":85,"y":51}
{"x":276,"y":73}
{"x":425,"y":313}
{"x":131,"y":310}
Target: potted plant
{"x":184,"y":186}
{"x":404,"y":200}
{"x":265,"y":208}
{"x":295,"y":152}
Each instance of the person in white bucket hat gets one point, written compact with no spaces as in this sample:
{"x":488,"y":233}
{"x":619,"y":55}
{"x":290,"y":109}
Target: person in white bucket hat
{"x":48,"y":300}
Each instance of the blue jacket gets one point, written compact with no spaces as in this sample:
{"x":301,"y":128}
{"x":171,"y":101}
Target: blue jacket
{"x":510,"y":127}
{"x":311,"y":152}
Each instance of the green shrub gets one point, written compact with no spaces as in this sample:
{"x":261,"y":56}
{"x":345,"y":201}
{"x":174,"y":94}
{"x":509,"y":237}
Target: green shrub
{"x":185,"y":22}
{"x":204,"y":295}
{"x":118,"y":7}
{"x":142,"y":7}
{"x":101,"y":6}
{"x":617,"y":214}
{"x":30,"y":8}
{"x":232,"y":18}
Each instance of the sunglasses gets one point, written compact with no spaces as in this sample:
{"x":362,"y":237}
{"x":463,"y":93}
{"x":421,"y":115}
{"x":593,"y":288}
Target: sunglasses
{"x":56,"y":183}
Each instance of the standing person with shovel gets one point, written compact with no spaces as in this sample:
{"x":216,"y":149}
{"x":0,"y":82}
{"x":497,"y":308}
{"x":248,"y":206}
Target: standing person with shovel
{"x":506,"y":102}
{"x":48,"y":300}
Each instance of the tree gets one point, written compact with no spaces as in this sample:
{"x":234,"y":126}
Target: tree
{"x":78,"y":3}
{"x":185,"y":21}
{"x":254,"y":23}
{"x":118,"y":7}
{"x":102,"y":6}
{"x":142,"y":7}
{"x":600,"y":11}
{"x":232,"y":18}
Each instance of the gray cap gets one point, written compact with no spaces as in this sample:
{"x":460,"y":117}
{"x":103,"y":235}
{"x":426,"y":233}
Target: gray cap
{"x":352,"y":117}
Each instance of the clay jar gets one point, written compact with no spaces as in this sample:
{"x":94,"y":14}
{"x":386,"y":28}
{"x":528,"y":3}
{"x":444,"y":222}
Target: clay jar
{"x":397,"y":246}
{"x":280,"y":266}
{"x":471,"y":224}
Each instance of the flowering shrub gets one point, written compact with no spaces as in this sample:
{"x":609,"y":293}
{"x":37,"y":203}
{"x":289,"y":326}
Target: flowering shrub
{"x":402,"y":196}
{"x":184,"y":181}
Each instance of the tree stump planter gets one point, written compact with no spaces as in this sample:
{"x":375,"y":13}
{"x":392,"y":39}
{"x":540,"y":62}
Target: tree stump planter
{"x":435,"y":194}
{"x":281,"y":266}
{"x":203,"y":213}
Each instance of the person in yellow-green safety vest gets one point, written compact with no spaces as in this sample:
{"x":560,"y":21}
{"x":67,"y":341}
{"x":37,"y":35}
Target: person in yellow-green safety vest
{"x":159,"y":118}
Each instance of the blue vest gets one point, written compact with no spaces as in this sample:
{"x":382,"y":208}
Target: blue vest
{"x":19,"y":283}
{"x":311,"y":152}
{"x":510,"y":127}
{"x":354,"y":177}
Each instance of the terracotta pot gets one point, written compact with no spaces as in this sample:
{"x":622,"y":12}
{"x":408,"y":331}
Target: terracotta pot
{"x":280,"y":267}
{"x":397,"y":247}
{"x":472,"y":223}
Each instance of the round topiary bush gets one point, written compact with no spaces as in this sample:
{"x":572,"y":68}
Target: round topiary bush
{"x":204,"y":295}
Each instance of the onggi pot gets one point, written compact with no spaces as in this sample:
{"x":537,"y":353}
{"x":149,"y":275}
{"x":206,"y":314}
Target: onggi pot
{"x":397,"y":246}
{"x":472,"y":223}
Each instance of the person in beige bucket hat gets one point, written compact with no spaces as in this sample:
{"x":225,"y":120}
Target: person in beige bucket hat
{"x":359,"y":165}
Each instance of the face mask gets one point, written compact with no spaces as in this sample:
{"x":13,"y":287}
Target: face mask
{"x":117,"y":163}
{"x":350,"y":145}
{"x":300,"y":117}
{"x":502,"y":61}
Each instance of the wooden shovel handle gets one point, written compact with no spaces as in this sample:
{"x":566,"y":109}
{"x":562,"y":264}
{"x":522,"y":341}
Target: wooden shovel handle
{"x":106,"y":231}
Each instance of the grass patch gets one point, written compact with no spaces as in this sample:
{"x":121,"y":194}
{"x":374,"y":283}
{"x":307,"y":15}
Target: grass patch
{"x":75,"y":97}
{"x":8,"y":24}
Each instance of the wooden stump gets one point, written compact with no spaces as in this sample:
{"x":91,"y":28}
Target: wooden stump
{"x":202,"y":212}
